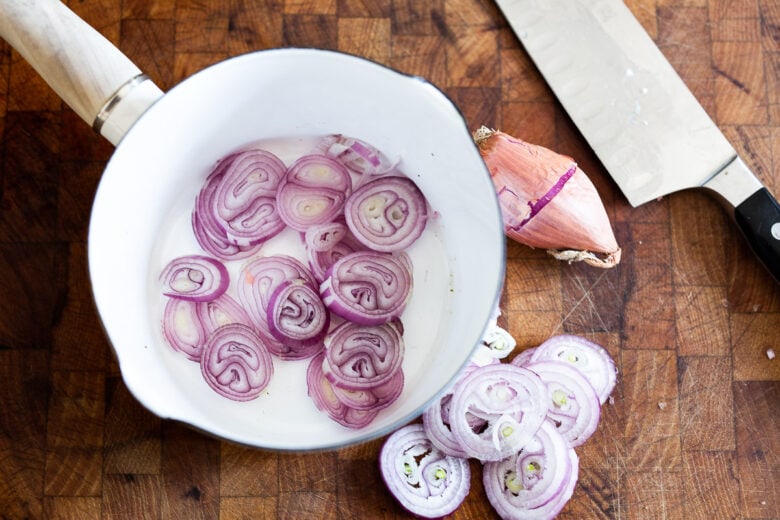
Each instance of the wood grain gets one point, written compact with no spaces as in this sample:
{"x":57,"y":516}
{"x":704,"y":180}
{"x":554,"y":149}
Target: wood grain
{"x":689,"y":314}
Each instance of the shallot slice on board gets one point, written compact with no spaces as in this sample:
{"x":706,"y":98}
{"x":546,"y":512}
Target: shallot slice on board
{"x":547,"y":201}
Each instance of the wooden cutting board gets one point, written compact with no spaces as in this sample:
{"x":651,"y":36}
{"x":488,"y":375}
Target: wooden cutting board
{"x":689,"y":315}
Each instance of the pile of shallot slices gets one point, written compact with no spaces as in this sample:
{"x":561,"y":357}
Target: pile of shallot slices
{"x":340,"y":307}
{"x":522,"y":419}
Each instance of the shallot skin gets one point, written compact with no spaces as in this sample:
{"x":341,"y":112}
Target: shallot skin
{"x":547,"y":201}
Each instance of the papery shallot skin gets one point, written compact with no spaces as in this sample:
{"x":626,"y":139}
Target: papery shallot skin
{"x":547,"y":201}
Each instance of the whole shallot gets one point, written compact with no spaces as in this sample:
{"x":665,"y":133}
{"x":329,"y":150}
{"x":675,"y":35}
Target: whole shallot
{"x":547,"y":201}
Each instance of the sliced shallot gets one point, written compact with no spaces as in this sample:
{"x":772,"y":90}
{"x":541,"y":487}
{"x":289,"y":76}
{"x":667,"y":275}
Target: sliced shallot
{"x":357,"y":155}
{"x":499,"y":342}
{"x":233,"y":213}
{"x":320,"y":261}
{"x":524,"y":357}
{"x":588,"y":357}
{"x":323,"y":237}
{"x":574,"y":406}
{"x":511,"y":401}
{"x":235,"y":363}
{"x":367,"y":287}
{"x":535,"y":482}
{"x":360,"y":357}
{"x":245,"y":198}
{"x":374,"y":398}
{"x":197,"y":278}
{"x":387,"y":214}
{"x":222,"y":311}
{"x":435,"y":420}
{"x":313,"y":191}
{"x":325,"y":399}
{"x":256,"y":283}
{"x":296,"y":314}
{"x":425,"y":481}
{"x":183,"y":329}
{"x":211,"y":235}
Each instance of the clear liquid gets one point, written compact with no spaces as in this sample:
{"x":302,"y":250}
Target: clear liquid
{"x":284,"y":405}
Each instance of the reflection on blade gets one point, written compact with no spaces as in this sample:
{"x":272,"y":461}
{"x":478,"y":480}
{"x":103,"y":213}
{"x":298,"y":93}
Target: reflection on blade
{"x":642,"y":121}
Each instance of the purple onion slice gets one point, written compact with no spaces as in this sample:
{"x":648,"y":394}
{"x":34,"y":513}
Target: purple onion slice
{"x":360,"y":357}
{"x":255,"y":285}
{"x":296,"y":314}
{"x":367,"y":287}
{"x":239,"y":236}
{"x":247,"y":175}
{"x":387,"y":214}
{"x":210,"y":233}
{"x":325,"y":399}
{"x":586,"y":356}
{"x":574,"y":406}
{"x":534,"y":483}
{"x":511,"y":400}
{"x":182,"y":328}
{"x":499,"y":342}
{"x":324,"y":237}
{"x":235,"y":363}
{"x":196,"y":278}
{"x":524,"y":357}
{"x":357,"y":155}
{"x":435,"y":420}
{"x":375,"y":398}
{"x":425,"y":481}
{"x":313,"y":191}
{"x":245,"y":198}
{"x":222,"y":311}
{"x":320,"y":261}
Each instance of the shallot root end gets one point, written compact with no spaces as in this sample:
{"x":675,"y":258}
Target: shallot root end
{"x":482,"y":133}
{"x":606,"y":261}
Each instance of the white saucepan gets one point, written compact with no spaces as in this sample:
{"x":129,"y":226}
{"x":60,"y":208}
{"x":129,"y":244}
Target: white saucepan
{"x":166,"y":144}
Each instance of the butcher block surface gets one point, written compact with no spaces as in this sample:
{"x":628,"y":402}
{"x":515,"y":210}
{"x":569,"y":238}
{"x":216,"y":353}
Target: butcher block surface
{"x":691,"y":318}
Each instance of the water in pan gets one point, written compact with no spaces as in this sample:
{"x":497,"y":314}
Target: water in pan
{"x":284,"y":415}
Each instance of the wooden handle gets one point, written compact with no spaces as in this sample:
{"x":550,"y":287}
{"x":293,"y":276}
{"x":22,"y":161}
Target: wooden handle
{"x":82,"y":66}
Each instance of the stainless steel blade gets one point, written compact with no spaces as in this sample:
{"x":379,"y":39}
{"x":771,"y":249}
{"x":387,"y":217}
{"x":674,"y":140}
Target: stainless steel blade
{"x":637,"y":114}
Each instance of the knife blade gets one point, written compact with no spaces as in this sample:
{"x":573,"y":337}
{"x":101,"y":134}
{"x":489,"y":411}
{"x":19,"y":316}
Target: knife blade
{"x":644,"y":124}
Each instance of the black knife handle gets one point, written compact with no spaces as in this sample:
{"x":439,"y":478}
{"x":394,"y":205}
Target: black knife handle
{"x":758,"y":217}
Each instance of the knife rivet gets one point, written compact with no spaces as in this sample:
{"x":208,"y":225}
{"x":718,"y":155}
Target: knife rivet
{"x":775,"y":230}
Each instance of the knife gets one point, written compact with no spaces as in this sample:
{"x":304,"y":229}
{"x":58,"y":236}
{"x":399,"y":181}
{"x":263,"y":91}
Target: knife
{"x":642,"y":121}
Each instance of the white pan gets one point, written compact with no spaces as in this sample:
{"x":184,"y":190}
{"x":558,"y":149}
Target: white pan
{"x":165,"y":147}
